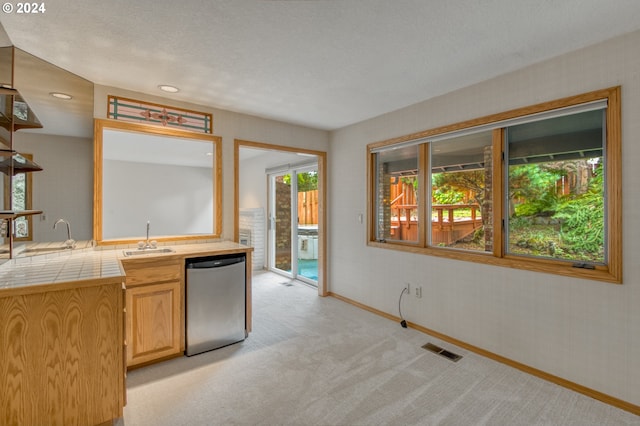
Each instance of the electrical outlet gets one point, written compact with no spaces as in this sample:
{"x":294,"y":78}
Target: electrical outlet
{"x":419,"y":292}
{"x":407,"y":286}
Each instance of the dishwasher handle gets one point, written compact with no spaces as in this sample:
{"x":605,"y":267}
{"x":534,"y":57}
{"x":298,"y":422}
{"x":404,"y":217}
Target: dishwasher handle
{"x":213,"y":261}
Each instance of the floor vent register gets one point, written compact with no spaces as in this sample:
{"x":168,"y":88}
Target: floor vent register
{"x":442,"y":352}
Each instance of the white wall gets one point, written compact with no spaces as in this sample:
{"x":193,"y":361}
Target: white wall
{"x":64,"y":188}
{"x":253,"y":183}
{"x":229,"y":125}
{"x":584,"y":331}
{"x":253,"y":177}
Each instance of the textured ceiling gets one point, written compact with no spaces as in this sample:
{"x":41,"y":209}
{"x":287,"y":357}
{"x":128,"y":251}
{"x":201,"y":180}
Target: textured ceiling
{"x":319,"y":63}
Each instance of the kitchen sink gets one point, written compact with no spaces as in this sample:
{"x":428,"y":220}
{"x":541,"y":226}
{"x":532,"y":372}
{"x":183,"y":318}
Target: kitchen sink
{"x":138,"y":252}
{"x":45,"y":249}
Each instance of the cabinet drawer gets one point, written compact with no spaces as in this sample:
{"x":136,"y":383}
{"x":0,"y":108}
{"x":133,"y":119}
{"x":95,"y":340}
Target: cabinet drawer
{"x":139,"y":272}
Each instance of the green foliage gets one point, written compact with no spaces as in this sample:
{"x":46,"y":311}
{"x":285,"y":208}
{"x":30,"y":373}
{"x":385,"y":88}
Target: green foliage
{"x":447,"y":195}
{"x":535,"y":185}
{"x":532,"y":180}
{"x":450,"y":186}
{"x":582,"y":218}
{"x":307,"y":181}
{"x":543,"y":206}
{"x":574,"y":232}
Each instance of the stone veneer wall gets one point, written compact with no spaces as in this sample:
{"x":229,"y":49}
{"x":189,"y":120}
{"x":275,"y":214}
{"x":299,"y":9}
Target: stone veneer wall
{"x":487,"y":202}
{"x":283,"y":225}
{"x":383,"y":219}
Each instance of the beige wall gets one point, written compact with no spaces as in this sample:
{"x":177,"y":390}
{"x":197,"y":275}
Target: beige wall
{"x":584,"y":331}
{"x":64,"y":188}
{"x":229,"y":126}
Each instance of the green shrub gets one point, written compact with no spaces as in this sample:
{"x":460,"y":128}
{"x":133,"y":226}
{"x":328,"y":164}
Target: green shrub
{"x":535,"y":185}
{"x":582,"y":219}
{"x":447,"y":195}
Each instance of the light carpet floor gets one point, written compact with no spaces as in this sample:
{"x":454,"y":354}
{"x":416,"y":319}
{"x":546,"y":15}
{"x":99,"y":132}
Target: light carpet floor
{"x":320,"y":361}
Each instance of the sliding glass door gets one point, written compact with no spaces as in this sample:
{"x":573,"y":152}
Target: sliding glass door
{"x":293,"y":222}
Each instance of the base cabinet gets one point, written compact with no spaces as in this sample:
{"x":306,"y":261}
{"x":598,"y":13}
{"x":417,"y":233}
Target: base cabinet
{"x":155,"y":314}
{"x":61,"y":361}
{"x":153,"y":322}
{"x":155,"y":307}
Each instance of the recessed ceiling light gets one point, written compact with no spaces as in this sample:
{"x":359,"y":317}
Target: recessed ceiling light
{"x":169,"y":89}
{"x":59,"y":95}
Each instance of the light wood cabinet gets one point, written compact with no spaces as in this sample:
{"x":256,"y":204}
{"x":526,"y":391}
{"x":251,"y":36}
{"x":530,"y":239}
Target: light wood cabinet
{"x":155,"y":306}
{"x":155,"y":313}
{"x":62,"y":355}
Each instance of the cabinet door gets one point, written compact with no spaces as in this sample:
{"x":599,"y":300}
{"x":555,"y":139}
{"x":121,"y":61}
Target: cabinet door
{"x":61,"y":359}
{"x":153,"y":322}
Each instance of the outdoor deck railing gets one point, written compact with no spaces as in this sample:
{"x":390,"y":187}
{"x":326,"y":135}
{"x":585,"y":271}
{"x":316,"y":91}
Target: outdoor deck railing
{"x":451,"y":208}
{"x":446,"y":227}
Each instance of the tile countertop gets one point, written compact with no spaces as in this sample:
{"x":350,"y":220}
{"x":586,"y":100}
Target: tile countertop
{"x":89,"y":266}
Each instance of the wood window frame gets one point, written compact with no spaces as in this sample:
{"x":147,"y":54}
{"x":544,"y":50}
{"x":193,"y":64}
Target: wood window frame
{"x":610,"y":272}
{"x":100,"y":125}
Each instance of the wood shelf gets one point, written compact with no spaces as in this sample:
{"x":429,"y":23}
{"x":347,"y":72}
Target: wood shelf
{"x":5,"y":214}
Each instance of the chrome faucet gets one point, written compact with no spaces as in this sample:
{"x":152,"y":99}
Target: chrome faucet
{"x":144,"y":245}
{"x":69,"y":243}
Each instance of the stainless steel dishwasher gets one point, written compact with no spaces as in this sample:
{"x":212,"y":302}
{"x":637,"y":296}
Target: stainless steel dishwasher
{"x":215,"y":302}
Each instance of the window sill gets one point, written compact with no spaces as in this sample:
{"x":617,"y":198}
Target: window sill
{"x":600,"y":273}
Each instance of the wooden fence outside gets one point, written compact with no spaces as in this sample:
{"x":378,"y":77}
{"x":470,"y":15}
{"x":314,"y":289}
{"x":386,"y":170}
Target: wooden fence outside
{"x":308,"y":208}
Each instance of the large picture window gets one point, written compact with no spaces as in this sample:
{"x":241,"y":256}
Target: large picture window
{"x":535,"y":188}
